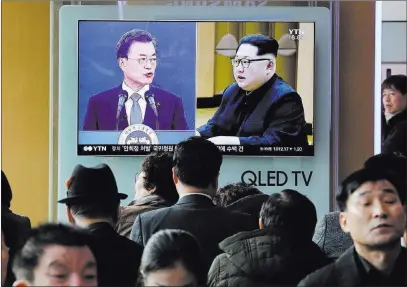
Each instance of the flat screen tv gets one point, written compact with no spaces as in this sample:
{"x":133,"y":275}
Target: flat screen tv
{"x":247,"y":86}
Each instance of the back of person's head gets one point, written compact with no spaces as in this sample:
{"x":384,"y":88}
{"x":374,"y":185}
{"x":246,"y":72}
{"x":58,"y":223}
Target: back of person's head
{"x":6,"y":193}
{"x":355,"y":180}
{"x":96,"y":210}
{"x":52,"y":250}
{"x":233,"y":192}
{"x":157,"y":174}
{"x":396,"y":82}
{"x":197,"y":163}
{"x":290,"y":211}
{"x":392,"y":162}
{"x":172,"y":252}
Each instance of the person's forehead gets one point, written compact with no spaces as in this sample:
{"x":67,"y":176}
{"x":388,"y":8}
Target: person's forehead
{"x":65,"y":254}
{"x":146,"y":48}
{"x":375,"y":187}
{"x":389,"y":90}
{"x":247,"y":50}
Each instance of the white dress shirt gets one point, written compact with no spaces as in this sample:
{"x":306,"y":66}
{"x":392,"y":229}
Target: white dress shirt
{"x":142,"y":101}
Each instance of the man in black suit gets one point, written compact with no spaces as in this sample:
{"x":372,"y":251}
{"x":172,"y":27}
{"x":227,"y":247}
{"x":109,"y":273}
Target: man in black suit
{"x":93,"y":203}
{"x":196,"y":170}
{"x":372,"y":211}
{"x":259,"y":108}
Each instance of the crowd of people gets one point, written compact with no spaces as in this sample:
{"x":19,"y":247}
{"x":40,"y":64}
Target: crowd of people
{"x":182,"y":229}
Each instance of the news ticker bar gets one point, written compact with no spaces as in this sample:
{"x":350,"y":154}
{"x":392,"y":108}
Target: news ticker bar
{"x":129,"y":150}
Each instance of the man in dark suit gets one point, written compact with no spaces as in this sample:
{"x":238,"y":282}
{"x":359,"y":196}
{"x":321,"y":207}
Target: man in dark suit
{"x":259,"y":108}
{"x":92,"y":203}
{"x":372,"y":211}
{"x":137,"y":58}
{"x":196,"y":170}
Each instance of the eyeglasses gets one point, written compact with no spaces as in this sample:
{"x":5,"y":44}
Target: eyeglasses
{"x":143,"y":61}
{"x":245,"y":62}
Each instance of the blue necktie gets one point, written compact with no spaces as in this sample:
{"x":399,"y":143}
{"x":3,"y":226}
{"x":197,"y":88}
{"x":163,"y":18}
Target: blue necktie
{"x":135,"y":114}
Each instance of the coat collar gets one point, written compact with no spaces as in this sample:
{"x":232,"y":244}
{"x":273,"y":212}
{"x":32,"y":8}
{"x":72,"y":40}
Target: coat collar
{"x":196,"y":199}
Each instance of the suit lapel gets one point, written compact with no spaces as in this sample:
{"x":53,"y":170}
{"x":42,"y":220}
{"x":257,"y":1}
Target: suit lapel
{"x":149,"y":118}
{"x":123,"y":120}
{"x":346,"y":269}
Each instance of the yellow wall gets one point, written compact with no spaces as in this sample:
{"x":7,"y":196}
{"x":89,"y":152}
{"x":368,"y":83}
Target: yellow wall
{"x":223,"y":69}
{"x":306,"y":70}
{"x":205,"y":59}
{"x":285,"y":66}
{"x":25,"y":105}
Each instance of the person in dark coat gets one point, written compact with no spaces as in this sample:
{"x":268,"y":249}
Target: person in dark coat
{"x":240,"y":197}
{"x":371,"y":203}
{"x":92,"y":203}
{"x":196,"y":169}
{"x":280,"y":253}
{"x":154,"y":189}
{"x":16,"y":228}
{"x":394,"y":133}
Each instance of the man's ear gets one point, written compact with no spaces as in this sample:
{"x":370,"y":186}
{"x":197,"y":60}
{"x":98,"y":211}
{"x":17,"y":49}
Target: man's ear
{"x":260,"y":223}
{"x":121,"y":62}
{"x":174,"y":176}
{"x":271,"y":66}
{"x":21,"y":283}
{"x":343,"y":221}
{"x":152,"y":191}
{"x":216,"y":183}
{"x":69,"y":215}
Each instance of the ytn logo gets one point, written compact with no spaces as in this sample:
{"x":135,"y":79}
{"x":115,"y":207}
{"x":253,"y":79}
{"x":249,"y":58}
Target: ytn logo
{"x":94,"y":148}
{"x":296,"y":34}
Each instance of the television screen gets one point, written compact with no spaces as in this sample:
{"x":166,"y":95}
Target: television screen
{"x":246,"y":86}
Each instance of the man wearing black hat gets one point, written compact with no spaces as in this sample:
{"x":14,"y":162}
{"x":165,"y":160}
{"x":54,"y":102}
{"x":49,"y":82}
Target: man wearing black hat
{"x":93,"y":202}
{"x":259,"y":108}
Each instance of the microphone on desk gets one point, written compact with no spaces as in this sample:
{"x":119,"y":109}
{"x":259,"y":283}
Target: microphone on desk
{"x":123,"y":96}
{"x":151,"y":101}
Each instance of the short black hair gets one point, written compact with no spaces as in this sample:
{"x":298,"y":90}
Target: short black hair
{"x":167,"y":247}
{"x":128,"y":38}
{"x":359,"y":177}
{"x":264,"y":44}
{"x":396,"y":82}
{"x":157,"y":167}
{"x":27,"y":259}
{"x":291,"y":211}
{"x":197,"y":162}
{"x":233,"y":192}
{"x":96,"y":210}
{"x":6,"y":193}
{"x":392,"y":162}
